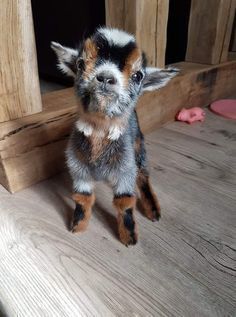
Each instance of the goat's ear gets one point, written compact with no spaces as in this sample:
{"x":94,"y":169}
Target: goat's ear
{"x":66,"y":58}
{"x":156,"y":77}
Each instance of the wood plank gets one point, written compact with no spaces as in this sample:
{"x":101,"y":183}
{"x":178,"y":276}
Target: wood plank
{"x":19,"y":83}
{"x":208,"y":166}
{"x":31,"y":149}
{"x":228,"y":34}
{"x":182,"y":266}
{"x":207,"y":29}
{"x":147,"y":20}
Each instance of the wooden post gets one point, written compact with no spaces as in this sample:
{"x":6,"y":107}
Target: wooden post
{"x":19,"y":83}
{"x":207,"y":29}
{"x":147,"y":19}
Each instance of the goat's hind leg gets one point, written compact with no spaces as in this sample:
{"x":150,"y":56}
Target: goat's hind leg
{"x":149,"y":199}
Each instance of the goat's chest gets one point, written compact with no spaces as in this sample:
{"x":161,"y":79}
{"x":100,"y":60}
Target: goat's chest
{"x":98,"y":147}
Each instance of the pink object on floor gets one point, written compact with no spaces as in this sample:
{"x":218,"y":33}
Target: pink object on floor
{"x":225,"y":108}
{"x":191,"y":115}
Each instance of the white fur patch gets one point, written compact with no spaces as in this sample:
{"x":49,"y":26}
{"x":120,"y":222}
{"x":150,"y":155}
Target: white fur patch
{"x":84,"y":127}
{"x":114,"y":132}
{"x":117,"y":37}
{"x":83,"y":186}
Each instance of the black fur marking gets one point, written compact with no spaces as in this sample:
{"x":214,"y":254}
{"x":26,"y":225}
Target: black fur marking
{"x":85,"y":99}
{"x":128,"y":219}
{"x":78,"y":214}
{"x":113,"y":53}
{"x":123,"y":195}
{"x":129,"y":223}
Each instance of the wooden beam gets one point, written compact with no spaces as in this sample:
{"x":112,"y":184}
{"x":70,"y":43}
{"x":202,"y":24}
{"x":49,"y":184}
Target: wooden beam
{"x":207,"y":29}
{"x":32,"y":148}
{"x":19,"y":84}
{"x":147,"y":20}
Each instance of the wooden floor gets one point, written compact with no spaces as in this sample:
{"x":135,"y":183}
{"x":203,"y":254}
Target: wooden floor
{"x":185,"y":265}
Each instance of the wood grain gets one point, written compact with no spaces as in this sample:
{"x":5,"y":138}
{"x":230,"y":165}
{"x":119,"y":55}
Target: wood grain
{"x":19,"y":83}
{"x":32,"y":148}
{"x":115,"y":13}
{"x":182,"y":266}
{"x":206,"y":31}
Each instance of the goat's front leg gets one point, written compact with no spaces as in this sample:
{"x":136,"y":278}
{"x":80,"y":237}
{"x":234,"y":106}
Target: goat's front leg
{"x":125,"y":205}
{"x":125,"y":201}
{"x":84,"y":201}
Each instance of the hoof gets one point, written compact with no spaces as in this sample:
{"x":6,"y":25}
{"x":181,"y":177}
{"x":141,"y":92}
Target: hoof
{"x":79,"y":227}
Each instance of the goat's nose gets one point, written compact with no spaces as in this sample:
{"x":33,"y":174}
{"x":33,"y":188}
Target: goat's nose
{"x":106,"y":79}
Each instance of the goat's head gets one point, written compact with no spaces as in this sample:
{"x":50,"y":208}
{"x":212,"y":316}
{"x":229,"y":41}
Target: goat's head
{"x":110,"y":71}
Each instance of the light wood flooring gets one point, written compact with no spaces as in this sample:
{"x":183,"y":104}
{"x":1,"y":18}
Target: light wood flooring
{"x":184,"y":265}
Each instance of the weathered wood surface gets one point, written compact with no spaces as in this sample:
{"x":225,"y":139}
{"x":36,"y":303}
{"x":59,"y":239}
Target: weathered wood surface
{"x":182,"y":266}
{"x":147,"y":20}
{"x":19,"y":83}
{"x":32,"y":148}
{"x":207,"y":30}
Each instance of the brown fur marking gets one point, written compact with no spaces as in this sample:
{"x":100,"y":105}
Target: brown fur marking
{"x":123,"y":203}
{"x":98,"y":144}
{"x":85,"y":200}
{"x":90,"y":55}
{"x":132,"y":64}
{"x":82,"y":225}
{"x":124,"y":234}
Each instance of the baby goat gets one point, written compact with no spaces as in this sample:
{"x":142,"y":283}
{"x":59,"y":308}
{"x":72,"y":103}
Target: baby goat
{"x":106,"y":143}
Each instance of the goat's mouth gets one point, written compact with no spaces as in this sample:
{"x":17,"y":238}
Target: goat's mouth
{"x":105,"y":93}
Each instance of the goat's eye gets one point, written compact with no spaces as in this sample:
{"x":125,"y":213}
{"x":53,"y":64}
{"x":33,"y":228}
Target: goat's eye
{"x":138,"y":76}
{"x":80,"y":64}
